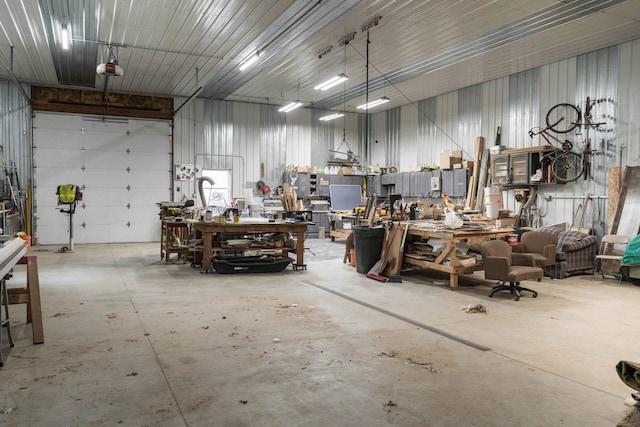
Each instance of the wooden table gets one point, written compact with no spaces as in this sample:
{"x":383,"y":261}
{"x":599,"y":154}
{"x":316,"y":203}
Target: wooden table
{"x":452,"y":237}
{"x":208,"y":229}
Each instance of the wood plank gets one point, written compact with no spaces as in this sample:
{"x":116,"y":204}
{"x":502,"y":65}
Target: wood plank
{"x":528,"y":149}
{"x":473,"y":183}
{"x":613,"y":193}
{"x":625,"y":220}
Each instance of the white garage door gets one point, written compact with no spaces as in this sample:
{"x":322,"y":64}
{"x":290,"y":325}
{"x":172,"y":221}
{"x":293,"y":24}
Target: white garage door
{"x":123,"y":166}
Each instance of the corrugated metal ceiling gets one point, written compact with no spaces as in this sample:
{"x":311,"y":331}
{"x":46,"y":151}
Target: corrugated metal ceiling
{"x":418,"y":50}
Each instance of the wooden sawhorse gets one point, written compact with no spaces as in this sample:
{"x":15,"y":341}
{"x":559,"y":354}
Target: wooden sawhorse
{"x":30,"y":296}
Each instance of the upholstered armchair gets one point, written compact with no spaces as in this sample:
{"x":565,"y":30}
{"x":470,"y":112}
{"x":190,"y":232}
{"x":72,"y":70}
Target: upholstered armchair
{"x":540,"y":245}
{"x":500,"y":263}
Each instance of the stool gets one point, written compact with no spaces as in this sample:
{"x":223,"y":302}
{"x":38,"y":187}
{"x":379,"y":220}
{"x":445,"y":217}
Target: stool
{"x":4,"y":297}
{"x":30,"y":296}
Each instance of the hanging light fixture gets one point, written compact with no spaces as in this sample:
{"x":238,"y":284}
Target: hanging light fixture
{"x":64,"y":37}
{"x":375,"y":103}
{"x":249,"y":61}
{"x":331,"y":117}
{"x":291,"y":106}
{"x":334,"y":81}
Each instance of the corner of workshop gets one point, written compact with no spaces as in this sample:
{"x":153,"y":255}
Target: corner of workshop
{"x":319,"y":213}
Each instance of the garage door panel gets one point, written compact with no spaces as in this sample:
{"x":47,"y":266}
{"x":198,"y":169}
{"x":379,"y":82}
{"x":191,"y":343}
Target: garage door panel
{"x":52,"y":177}
{"x":105,"y":150}
{"x":146,"y":160}
{"x":105,"y":159}
{"x":58,"y":158}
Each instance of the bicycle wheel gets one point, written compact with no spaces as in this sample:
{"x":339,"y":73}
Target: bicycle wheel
{"x":563,"y":118}
{"x":567,"y":167}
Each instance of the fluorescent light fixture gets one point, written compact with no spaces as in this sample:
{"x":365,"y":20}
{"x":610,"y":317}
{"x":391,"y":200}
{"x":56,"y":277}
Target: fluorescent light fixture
{"x":64,"y":36}
{"x":249,"y":61}
{"x":332,"y":82}
{"x":331,"y":117}
{"x":373,"y":103}
{"x":291,"y":106}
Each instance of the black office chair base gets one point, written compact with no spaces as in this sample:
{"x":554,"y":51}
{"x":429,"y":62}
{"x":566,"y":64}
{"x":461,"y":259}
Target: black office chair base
{"x":514,"y":288}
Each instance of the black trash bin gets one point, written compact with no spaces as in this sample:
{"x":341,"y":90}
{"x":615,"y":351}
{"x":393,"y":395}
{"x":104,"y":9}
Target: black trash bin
{"x":368,"y":244}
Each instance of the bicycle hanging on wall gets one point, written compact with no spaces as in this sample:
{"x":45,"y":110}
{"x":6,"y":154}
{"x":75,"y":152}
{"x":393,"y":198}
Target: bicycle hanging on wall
{"x":566,"y":164}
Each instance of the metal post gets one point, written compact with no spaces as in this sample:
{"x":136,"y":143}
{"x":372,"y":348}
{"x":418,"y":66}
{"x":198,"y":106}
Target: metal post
{"x":71,"y":228}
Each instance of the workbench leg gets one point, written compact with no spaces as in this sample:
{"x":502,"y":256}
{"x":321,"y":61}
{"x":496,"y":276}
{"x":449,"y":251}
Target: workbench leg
{"x":453,"y":280}
{"x":299,"y":252}
{"x":207,"y":251}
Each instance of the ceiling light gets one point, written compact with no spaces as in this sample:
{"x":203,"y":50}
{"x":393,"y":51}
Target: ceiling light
{"x":373,"y":103}
{"x":332,"y":82}
{"x":64,"y":35}
{"x":291,"y":106}
{"x":331,"y":117}
{"x":250,"y":61}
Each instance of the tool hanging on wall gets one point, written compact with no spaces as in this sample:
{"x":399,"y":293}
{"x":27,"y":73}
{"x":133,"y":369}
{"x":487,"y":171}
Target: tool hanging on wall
{"x":584,"y":214}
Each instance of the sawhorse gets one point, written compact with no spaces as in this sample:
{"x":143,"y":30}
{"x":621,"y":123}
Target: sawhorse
{"x":30,"y":296}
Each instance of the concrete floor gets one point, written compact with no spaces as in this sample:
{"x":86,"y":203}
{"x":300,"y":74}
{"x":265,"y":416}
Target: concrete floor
{"x":130,"y":340}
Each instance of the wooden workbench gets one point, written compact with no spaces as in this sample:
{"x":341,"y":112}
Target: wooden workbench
{"x":208,"y":229}
{"x":447,"y":261}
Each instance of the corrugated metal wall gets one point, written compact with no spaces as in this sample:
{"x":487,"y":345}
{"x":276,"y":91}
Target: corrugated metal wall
{"x":16,"y":135}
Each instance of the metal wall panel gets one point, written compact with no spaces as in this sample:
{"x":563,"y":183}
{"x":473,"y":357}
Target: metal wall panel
{"x":427,"y":131}
{"x":409,"y":138}
{"x":628,"y":123}
{"x":299,"y":135}
{"x":246,"y":142}
{"x":524,"y":101}
{"x":323,"y":137}
{"x":273,"y":143}
{"x":447,"y":107}
{"x":392,"y":136}
{"x":15,"y":133}
{"x":495,"y":109}
{"x":377,"y":132}
{"x":469,"y":118}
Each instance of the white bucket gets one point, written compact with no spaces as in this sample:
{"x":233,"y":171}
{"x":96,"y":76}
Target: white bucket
{"x":491,"y":191}
{"x":492,"y":198}
{"x":493,"y":209}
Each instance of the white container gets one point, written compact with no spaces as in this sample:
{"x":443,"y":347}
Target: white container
{"x":491,"y":191}
{"x":493,"y":209}
{"x":492,"y":198}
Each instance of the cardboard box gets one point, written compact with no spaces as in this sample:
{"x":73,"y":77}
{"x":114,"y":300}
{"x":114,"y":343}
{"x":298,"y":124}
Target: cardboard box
{"x":303,"y":169}
{"x":449,"y":158}
{"x":346,"y":170}
{"x":467,"y":164}
{"x":444,"y":159}
{"x":456,"y":166}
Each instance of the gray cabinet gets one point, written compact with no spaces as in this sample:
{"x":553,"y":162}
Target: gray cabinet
{"x":435,"y":183}
{"x":406,"y":184}
{"x":322,"y":185}
{"x":374,"y":186}
{"x":447,"y":181}
{"x":460,"y":181}
{"x":423,"y":184}
{"x":388,"y":179}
